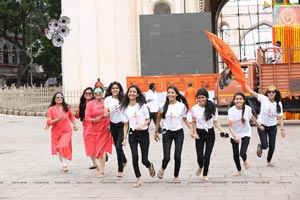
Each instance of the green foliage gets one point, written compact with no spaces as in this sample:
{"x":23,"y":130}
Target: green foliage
{"x":22,"y":22}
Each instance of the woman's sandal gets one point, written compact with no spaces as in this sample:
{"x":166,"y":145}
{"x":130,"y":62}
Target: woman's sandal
{"x":258,"y":151}
{"x":151,"y":170}
{"x":160,"y":174}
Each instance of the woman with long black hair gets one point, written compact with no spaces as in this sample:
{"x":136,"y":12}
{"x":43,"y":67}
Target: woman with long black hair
{"x":270,"y":111}
{"x":113,"y":97}
{"x":60,"y":117}
{"x":174,"y":110}
{"x":86,"y":97}
{"x":239,"y":115}
{"x":205,"y":118}
{"x":136,"y":119}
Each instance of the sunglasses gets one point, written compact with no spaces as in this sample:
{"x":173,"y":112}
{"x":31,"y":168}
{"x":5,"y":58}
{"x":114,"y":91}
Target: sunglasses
{"x":97,"y":92}
{"x":222,"y":134}
{"x":88,"y":93}
{"x":271,"y":92}
{"x":59,"y":97}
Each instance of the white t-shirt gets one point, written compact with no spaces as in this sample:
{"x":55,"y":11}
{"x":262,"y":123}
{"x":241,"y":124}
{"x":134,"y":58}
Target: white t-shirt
{"x":197,"y":113}
{"x":113,"y":105}
{"x":174,"y":115}
{"x":152,"y":104}
{"x":268,"y":111}
{"x":136,"y":116}
{"x":240,"y":129}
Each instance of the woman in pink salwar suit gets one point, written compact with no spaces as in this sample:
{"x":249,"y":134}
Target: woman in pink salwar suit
{"x":86,"y":97}
{"x":98,"y":137}
{"x":60,"y":117}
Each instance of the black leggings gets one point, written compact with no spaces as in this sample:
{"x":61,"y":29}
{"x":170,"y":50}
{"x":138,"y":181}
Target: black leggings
{"x":117,"y":134}
{"x":178,"y":138}
{"x":142,"y":138}
{"x":207,"y":138}
{"x":243,"y":152}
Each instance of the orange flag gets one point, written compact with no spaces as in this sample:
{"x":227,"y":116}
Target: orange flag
{"x":229,"y":58}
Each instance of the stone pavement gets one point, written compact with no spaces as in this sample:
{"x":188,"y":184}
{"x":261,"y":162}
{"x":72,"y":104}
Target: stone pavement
{"x":28,"y":171}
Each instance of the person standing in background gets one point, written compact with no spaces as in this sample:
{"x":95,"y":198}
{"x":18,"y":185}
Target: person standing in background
{"x":112,"y":103}
{"x":86,"y":97}
{"x":278,"y":53}
{"x":190,"y":95}
{"x":60,"y":117}
{"x":99,"y":83}
{"x":152,"y":104}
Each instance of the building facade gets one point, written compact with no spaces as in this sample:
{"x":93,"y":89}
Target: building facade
{"x":105,"y":36}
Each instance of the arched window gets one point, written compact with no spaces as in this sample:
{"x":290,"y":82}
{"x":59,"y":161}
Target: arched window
{"x":14,"y":56}
{"x":225,"y":33}
{"x":162,"y":8}
{"x":5,"y":54}
{"x":261,"y":35}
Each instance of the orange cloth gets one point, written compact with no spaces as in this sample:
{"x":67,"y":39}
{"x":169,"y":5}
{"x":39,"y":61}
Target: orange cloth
{"x":61,"y":132}
{"x":190,"y":95}
{"x":99,"y":84}
{"x":98,"y":138}
{"x":229,"y":58}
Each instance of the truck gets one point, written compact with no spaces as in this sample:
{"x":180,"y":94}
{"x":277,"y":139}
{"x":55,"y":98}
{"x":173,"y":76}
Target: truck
{"x":261,"y":74}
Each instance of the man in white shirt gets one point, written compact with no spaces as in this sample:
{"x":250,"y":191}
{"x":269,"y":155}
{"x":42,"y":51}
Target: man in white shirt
{"x":152,"y":104}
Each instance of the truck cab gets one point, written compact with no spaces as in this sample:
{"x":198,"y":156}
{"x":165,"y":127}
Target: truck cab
{"x":227,"y":85}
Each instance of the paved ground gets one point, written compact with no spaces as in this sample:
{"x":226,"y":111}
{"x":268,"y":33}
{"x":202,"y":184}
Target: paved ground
{"x":28,"y":171}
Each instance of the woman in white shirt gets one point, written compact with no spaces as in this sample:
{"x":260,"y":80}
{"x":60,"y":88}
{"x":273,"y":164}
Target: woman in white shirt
{"x":204,"y":119}
{"x":136,"y":119}
{"x":239,"y":116}
{"x":112,"y":103}
{"x":270,"y":111}
{"x":174,"y":109}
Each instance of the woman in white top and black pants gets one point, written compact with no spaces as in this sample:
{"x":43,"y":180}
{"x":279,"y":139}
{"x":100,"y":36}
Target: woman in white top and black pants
{"x":204,"y":119}
{"x":239,"y":115}
{"x":136,"y":118}
{"x":112,"y":103}
{"x":174,"y":109}
{"x":270,"y":111}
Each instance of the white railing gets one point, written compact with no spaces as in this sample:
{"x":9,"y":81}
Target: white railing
{"x":35,"y":99}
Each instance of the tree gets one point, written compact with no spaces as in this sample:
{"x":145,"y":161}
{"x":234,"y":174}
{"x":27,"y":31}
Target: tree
{"x":22,"y":22}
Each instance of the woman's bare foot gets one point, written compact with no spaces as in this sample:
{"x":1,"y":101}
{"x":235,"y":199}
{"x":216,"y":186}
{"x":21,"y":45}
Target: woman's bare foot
{"x":246,"y":164}
{"x":65,"y":169}
{"x":100,"y":175}
{"x":120,"y":174}
{"x":137,"y":183}
{"x":176,"y":180}
{"x":206,"y":178}
{"x":270,"y":164}
{"x":238,"y":173}
{"x":198,"y":172}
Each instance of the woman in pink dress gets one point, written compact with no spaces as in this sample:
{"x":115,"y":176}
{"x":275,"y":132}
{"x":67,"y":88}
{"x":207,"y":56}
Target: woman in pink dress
{"x":60,"y":117}
{"x":98,"y":137}
{"x":86,"y":97}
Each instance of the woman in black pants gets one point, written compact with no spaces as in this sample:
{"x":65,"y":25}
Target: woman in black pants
{"x":113,"y":97}
{"x":174,"y":109}
{"x":136,"y":119}
{"x":204,"y":115}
